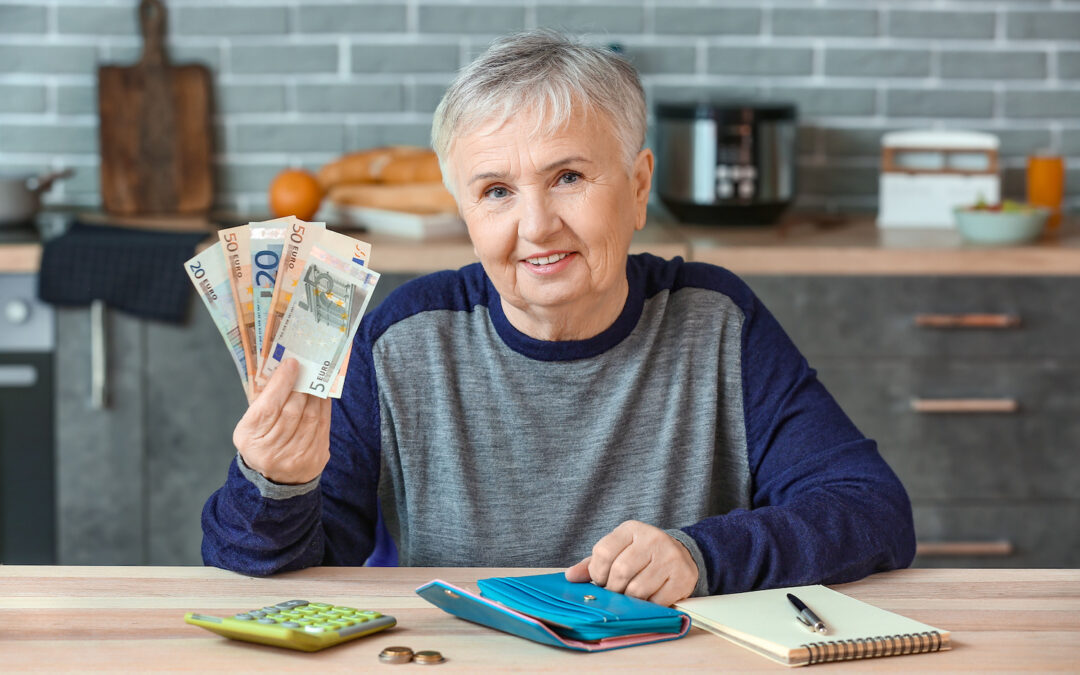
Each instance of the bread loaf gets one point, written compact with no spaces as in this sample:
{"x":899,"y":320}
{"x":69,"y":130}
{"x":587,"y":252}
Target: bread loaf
{"x":393,"y":164}
{"x":422,"y":198}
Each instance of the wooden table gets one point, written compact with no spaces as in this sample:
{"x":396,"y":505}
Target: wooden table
{"x":130,"y":619}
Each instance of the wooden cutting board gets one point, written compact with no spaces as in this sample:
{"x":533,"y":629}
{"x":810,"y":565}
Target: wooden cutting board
{"x":156,"y":138}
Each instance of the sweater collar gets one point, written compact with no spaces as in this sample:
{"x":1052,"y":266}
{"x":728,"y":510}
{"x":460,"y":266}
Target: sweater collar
{"x":570,"y":350}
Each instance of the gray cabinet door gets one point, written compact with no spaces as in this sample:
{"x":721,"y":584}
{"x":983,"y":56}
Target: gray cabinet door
{"x":100,"y":464}
{"x":1041,"y":534}
{"x":193,"y":401}
{"x":875,"y":317}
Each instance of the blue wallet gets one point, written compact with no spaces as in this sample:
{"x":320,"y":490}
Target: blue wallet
{"x":549,"y":609}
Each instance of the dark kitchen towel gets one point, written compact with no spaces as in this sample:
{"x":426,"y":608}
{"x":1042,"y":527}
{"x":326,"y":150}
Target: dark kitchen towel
{"x":137,"y":271}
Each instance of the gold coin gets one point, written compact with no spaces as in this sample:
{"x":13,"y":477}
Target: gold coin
{"x":428,"y":657}
{"x":396,"y":655}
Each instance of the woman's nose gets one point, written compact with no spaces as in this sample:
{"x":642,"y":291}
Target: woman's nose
{"x":539,"y":218}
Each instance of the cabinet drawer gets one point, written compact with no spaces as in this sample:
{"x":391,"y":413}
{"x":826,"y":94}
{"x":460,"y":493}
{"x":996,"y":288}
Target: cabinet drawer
{"x":1029,"y":453}
{"x":879,"y":316}
{"x":1040,"y":534}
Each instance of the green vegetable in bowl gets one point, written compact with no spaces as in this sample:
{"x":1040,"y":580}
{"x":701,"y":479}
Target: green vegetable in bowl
{"x":1007,"y":206}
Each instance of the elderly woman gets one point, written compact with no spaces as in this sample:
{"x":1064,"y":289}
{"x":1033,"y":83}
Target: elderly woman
{"x":645,"y":422}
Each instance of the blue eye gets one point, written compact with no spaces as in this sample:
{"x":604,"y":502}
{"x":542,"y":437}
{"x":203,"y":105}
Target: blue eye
{"x":570,"y":177}
{"x":498,"y":192}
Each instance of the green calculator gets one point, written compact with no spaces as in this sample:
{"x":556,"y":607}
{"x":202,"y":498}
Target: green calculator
{"x":296,"y":624}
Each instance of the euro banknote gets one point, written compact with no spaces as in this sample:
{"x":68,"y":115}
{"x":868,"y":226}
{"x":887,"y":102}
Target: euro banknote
{"x":267,"y":242}
{"x":299,"y":238}
{"x":210,"y":276}
{"x":236,"y":245}
{"x":322,"y":317}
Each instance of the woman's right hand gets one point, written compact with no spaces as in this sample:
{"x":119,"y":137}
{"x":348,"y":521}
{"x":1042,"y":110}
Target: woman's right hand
{"x":285,"y":434}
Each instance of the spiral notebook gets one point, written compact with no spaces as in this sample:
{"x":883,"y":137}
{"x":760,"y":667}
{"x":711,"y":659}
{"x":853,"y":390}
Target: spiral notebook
{"x":764,"y":622}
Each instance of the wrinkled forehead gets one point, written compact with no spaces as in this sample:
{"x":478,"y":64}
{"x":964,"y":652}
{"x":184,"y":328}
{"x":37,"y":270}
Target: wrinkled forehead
{"x":534,"y":125}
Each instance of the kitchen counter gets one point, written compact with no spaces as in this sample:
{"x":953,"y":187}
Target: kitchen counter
{"x":799,"y":245}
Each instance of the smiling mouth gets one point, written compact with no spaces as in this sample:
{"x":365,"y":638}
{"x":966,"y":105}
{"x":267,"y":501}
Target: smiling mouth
{"x":546,"y":260}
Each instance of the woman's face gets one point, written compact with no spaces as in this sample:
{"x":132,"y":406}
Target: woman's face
{"x":551,"y":219}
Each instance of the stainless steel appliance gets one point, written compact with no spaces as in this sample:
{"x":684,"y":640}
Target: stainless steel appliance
{"x":27,"y":449}
{"x":726,"y":163}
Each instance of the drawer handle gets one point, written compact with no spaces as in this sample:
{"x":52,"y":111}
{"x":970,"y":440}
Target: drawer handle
{"x":967,"y":320}
{"x":965,"y":548}
{"x":964,"y":405}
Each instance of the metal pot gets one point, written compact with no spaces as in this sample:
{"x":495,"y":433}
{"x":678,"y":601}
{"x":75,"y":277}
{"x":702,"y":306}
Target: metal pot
{"x":20,"y":195}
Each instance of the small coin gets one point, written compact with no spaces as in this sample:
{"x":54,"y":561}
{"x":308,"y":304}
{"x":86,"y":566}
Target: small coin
{"x":428,"y":657}
{"x":396,"y":655}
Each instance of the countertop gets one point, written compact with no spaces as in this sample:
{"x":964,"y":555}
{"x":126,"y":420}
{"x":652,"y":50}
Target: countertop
{"x":800,"y":244}
{"x":60,"y":619}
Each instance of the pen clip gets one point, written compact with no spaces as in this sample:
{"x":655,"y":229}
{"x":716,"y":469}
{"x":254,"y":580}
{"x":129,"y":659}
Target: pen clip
{"x":804,"y":622}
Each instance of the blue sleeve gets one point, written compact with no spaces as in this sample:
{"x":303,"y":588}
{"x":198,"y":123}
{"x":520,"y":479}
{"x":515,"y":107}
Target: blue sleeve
{"x":825,"y":507}
{"x":253,"y":526}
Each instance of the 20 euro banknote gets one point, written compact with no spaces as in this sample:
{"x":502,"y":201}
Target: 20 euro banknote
{"x":267,"y":243}
{"x":210,"y":276}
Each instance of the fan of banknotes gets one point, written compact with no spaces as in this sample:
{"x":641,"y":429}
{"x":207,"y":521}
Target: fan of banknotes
{"x":286,"y":288}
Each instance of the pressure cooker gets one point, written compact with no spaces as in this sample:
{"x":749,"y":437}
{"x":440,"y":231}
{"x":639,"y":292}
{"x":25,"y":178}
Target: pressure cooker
{"x":726,"y":163}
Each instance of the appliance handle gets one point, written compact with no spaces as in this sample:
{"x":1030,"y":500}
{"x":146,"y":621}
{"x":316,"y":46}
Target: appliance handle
{"x":98,"y":365}
{"x":17,"y":375}
{"x":965,"y":405}
{"x":967,"y":320}
{"x":1002,"y":547}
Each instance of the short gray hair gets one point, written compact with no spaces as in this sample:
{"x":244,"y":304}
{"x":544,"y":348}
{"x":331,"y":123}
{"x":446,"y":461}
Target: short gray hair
{"x":547,"y":72}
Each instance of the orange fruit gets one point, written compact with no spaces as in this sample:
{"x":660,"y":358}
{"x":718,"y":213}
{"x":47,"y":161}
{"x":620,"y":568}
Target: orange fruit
{"x":295,"y":192}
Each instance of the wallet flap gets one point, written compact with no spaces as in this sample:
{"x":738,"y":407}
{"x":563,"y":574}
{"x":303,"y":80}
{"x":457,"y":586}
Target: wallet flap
{"x":580,"y":605}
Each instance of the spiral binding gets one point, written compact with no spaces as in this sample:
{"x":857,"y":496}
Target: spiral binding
{"x":868,"y":648}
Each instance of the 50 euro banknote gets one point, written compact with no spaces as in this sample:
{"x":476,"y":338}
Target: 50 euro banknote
{"x":299,"y":237}
{"x":323,"y":315}
{"x":212,"y":281}
{"x":236,"y":247}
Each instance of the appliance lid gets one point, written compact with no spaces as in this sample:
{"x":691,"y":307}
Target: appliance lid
{"x":733,"y":111}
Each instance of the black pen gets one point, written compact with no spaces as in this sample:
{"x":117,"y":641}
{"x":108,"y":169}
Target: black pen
{"x":806,"y":615}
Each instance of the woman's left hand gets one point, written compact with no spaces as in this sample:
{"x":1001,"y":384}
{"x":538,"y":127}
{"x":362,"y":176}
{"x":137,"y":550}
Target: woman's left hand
{"x":641,"y":561}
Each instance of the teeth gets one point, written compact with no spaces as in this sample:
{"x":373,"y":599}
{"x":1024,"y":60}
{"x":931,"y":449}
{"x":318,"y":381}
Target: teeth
{"x":548,"y":260}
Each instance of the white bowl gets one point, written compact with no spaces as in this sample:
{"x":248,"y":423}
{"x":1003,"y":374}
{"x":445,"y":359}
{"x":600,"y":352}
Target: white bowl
{"x":1001,"y":227}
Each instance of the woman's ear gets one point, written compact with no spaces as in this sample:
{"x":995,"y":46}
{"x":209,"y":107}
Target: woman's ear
{"x":642,"y":183}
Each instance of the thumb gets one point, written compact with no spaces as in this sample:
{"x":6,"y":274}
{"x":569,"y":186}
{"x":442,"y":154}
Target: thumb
{"x":579,"y":573}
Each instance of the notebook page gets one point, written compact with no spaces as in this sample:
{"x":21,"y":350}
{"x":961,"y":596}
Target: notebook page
{"x":767,"y":620}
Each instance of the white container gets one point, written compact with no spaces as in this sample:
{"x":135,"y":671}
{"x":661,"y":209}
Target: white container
{"x":926,"y":174}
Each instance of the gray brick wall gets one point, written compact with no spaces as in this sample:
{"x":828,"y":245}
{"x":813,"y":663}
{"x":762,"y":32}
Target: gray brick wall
{"x":297,"y":82}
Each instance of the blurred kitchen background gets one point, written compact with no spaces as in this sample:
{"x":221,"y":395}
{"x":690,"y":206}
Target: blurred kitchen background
{"x":299,"y":83}
{"x":129,"y":419}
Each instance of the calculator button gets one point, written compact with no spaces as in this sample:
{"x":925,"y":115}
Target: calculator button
{"x":319,"y":605}
{"x":256,"y":614}
{"x":314,"y":629}
{"x":270,"y":610}
{"x":371,"y":615}
{"x":267,"y":621}
{"x":243,"y":617}
{"x":290,"y":624}
{"x":348,"y":610}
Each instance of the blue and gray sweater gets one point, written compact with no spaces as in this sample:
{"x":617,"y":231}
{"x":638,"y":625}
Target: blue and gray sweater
{"x":470,"y":443}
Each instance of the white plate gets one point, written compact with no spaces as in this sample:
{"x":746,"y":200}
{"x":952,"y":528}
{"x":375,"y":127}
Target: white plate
{"x":399,"y":223}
